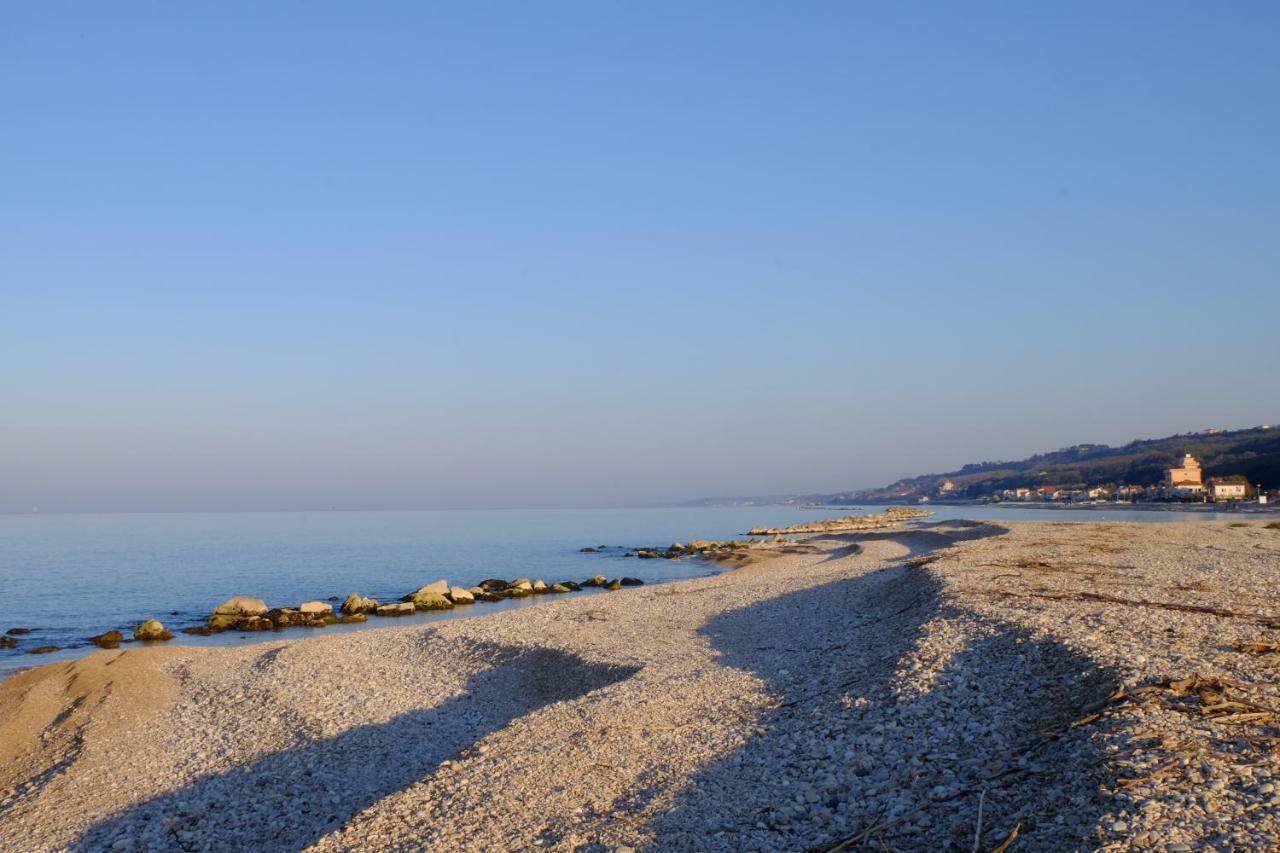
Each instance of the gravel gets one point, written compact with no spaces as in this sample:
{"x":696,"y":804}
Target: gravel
{"x":873,"y":691}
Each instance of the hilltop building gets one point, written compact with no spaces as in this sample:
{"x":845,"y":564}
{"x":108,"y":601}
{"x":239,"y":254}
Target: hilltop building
{"x":1189,"y":479}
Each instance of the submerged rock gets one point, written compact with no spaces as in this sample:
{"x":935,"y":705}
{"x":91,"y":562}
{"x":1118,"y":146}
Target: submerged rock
{"x":8,"y":642}
{"x":18,"y":632}
{"x":255,"y":623}
{"x":109,"y":640}
{"x":493,"y":584}
{"x":152,"y":630}
{"x":44,"y":650}
{"x":458,"y":595}
{"x":587,"y":550}
{"x":359,"y":604}
{"x":198,"y":630}
{"x":402,"y":608}
{"x":352,"y":618}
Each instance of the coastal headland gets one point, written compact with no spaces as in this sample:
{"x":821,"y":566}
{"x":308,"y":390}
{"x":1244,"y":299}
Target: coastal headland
{"x":937,"y":685}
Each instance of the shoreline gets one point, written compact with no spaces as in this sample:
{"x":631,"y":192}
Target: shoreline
{"x":714,"y":561}
{"x":867,"y":688}
{"x":1233,"y":507}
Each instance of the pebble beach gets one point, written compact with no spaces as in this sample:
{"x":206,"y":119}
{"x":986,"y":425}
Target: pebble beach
{"x":942,"y":685}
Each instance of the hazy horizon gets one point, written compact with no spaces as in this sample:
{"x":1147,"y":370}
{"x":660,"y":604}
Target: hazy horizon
{"x":309,"y":257}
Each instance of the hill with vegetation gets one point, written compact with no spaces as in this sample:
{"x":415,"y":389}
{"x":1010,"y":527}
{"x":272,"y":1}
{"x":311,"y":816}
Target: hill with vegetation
{"x":1254,"y":453}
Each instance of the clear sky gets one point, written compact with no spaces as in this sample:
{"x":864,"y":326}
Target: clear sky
{"x":393,"y":255}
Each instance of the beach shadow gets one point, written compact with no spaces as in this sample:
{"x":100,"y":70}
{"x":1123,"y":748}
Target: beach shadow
{"x":858,"y":741}
{"x":292,"y":798}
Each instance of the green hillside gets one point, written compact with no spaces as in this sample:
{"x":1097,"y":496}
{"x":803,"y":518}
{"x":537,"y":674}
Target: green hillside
{"x":1255,"y":453}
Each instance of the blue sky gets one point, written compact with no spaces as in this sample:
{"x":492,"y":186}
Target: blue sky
{"x":311,"y":255}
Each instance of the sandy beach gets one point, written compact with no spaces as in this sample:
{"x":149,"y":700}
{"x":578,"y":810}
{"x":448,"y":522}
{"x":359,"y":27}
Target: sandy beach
{"x":1036,"y":685}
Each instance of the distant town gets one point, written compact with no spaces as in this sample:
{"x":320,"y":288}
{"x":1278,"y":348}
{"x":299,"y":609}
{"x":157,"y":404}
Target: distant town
{"x":1184,"y":483}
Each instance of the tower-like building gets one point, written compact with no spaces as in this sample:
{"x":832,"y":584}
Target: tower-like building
{"x":1189,"y":477}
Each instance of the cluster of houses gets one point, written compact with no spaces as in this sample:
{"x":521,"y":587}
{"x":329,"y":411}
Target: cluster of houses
{"x":1186,"y":482}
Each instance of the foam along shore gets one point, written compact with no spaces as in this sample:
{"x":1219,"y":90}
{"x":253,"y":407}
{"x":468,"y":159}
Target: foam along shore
{"x":1079,"y":686}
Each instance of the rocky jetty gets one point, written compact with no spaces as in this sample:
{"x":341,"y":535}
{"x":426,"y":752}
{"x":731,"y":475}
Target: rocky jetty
{"x":248,"y":614}
{"x":890,"y":518}
{"x":703,"y":548}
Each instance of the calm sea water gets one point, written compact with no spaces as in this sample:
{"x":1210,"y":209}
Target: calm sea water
{"x":68,"y":577}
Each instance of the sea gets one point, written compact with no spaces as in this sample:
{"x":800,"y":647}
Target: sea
{"x":67,"y":577}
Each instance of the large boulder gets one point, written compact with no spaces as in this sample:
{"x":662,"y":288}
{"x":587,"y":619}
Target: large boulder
{"x":458,"y":595}
{"x":359,"y":604}
{"x":614,"y":584}
{"x":242,"y":605}
{"x":230,"y":613}
{"x":256,"y":623}
{"x":540,"y":587}
{"x":558,"y":587}
{"x":493,"y":584}
{"x":109,"y":640}
{"x":440,"y":587}
{"x":631,"y":582}
{"x":431,"y":601}
{"x":401,"y":608}
{"x":317,"y":607}
{"x":519,"y":588}
{"x":152,"y":631}
{"x":479,"y":593}
{"x":598,"y":580}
